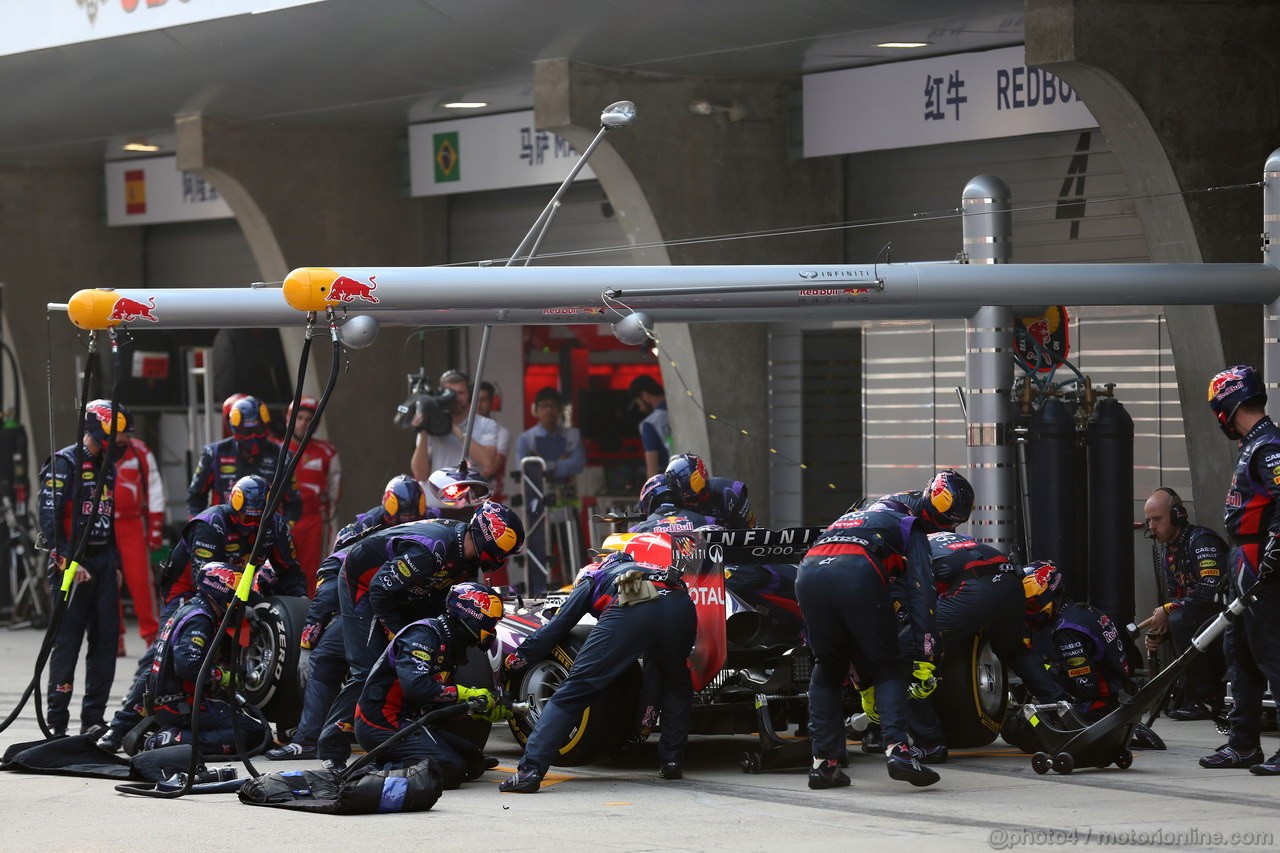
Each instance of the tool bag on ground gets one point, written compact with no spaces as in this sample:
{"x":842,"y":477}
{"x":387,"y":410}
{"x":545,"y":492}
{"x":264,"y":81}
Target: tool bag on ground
{"x":412,"y":789}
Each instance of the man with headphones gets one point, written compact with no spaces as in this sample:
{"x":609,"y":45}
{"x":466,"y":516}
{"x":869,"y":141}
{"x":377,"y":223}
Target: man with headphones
{"x":1194,"y":560}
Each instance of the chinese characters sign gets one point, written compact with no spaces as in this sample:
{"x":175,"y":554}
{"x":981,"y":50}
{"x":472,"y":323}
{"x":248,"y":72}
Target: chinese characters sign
{"x":486,"y":153}
{"x":955,"y":98}
{"x":151,"y":190}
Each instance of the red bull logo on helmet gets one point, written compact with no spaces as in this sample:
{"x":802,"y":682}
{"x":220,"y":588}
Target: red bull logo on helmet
{"x":484,"y":603}
{"x":347,"y":289}
{"x":940,"y":494}
{"x":221,"y":576}
{"x":1227,"y":382}
{"x":126,"y":310}
{"x":498,"y":532}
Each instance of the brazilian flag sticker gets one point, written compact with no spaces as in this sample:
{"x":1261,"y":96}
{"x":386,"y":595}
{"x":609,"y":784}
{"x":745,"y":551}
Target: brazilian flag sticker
{"x":447,"y":159}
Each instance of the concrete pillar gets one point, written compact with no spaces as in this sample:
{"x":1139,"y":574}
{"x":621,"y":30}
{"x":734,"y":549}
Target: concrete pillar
{"x":331,"y":197}
{"x":988,"y":227}
{"x":54,"y":240}
{"x":1192,"y":108}
{"x":675,"y":176}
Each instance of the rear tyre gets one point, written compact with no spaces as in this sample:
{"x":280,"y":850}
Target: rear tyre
{"x":972,"y":695}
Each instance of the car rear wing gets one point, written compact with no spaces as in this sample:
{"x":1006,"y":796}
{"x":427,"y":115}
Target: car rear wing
{"x":752,"y":546}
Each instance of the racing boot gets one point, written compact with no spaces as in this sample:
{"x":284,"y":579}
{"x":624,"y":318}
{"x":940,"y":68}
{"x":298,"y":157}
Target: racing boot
{"x":526,"y":780}
{"x":871,"y":740}
{"x":1270,"y":767}
{"x":291,"y":751}
{"x":671,"y":770}
{"x":112,"y":740}
{"x":1229,"y":758}
{"x":936,"y":754}
{"x":826,"y":773}
{"x":1194,"y":711}
{"x":905,"y":767}
{"x":1145,"y":738}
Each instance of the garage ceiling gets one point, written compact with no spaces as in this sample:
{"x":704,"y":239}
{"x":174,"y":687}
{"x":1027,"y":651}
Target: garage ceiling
{"x":389,"y":62}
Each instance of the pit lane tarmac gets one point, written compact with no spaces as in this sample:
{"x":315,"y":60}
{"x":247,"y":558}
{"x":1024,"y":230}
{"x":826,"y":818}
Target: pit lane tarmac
{"x":988,"y":798}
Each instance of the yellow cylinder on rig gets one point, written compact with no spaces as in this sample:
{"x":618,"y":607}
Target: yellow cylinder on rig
{"x":93,"y":309}
{"x":310,"y":288}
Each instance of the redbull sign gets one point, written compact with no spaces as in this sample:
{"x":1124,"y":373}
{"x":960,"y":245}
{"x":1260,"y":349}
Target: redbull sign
{"x":126,"y":310}
{"x":152,"y":190}
{"x":346,"y":289}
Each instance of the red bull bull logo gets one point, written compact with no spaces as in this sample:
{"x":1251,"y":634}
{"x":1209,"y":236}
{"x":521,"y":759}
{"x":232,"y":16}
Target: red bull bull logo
{"x":1227,"y":382}
{"x":126,"y":310}
{"x":484,"y":603}
{"x":501,"y":535}
{"x":347,"y":289}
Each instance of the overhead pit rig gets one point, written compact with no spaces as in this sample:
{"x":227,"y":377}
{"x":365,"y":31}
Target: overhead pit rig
{"x":980,"y":285}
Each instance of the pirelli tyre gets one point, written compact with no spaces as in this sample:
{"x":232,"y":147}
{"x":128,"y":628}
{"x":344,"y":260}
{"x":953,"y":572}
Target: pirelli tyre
{"x":603,"y":725}
{"x":972,"y":694}
{"x":271,"y":659}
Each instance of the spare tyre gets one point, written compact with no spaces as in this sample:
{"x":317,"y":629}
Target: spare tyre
{"x":972,"y":694}
{"x":271,"y":659}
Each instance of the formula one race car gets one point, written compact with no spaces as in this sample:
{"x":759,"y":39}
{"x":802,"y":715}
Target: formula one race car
{"x":750,"y":664}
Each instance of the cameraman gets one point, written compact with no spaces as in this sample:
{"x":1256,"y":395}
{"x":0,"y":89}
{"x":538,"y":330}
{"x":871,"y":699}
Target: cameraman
{"x":443,"y":451}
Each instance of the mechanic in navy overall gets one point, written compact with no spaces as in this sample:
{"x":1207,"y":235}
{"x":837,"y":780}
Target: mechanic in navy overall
{"x":660,"y":502}
{"x":403,"y":501}
{"x":249,"y":450}
{"x":76,"y":486}
{"x":640,"y":610}
{"x":184,"y":642}
{"x":415,"y":675}
{"x":844,"y":592}
{"x":1089,"y":661}
{"x":721,"y":499}
{"x":1238,"y":398}
{"x":227,"y":533}
{"x":222,"y":534}
{"x":978,"y":590}
{"x":397,"y":576}
{"x":1194,"y":560}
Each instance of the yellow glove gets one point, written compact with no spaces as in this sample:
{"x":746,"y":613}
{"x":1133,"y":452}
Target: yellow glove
{"x":869,"y":704}
{"x":923,"y":682}
{"x":498,"y":714}
{"x":483,"y":698}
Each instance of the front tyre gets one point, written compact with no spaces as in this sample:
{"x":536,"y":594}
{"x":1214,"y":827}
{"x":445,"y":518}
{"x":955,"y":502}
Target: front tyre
{"x":602,"y":726}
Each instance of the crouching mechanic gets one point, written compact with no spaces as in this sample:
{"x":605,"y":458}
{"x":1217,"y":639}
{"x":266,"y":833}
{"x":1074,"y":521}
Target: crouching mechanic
{"x":978,"y":590}
{"x":640,"y":610}
{"x":1089,"y":659}
{"x":403,"y":501}
{"x":181,"y":649}
{"x":844,"y":591}
{"x":397,"y":576}
{"x":416,"y":674}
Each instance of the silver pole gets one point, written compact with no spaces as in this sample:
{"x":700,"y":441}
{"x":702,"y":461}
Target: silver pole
{"x":1271,"y":255}
{"x":987,"y":227}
